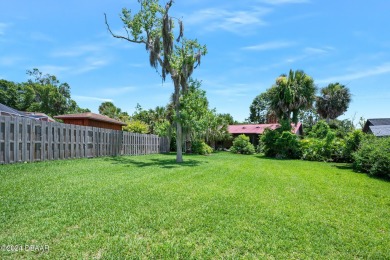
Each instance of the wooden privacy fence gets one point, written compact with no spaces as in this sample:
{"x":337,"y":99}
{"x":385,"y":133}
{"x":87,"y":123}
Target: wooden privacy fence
{"x":27,"y":140}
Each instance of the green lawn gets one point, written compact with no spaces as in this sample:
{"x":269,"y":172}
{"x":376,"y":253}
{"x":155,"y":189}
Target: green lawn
{"x":218,"y":206}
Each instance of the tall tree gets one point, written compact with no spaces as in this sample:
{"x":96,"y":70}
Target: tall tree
{"x":291,"y":94}
{"x":333,"y":101}
{"x":260,"y":109}
{"x":153,"y":26}
{"x":109,"y":109}
{"x":8,"y":93}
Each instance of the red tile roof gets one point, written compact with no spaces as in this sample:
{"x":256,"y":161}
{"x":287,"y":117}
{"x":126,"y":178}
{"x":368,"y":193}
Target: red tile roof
{"x":92,"y":116}
{"x":258,"y":128}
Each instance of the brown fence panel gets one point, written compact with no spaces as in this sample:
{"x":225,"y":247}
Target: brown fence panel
{"x":27,"y":140}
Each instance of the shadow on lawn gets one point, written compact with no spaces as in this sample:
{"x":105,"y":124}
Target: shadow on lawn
{"x":162,"y":163}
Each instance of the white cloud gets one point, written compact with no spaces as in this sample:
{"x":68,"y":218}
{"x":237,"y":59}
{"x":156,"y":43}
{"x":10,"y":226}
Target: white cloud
{"x":38,"y":36}
{"x":9,"y":60}
{"x":87,"y":98}
{"x":237,"y":21}
{"x":269,"y":46}
{"x":91,"y":64}
{"x":52,"y":69}
{"x":3,"y":26}
{"x":280,"y":2}
{"x":377,"y":70}
{"x":77,"y":51}
{"x":315,"y":51}
{"x":117,"y":91}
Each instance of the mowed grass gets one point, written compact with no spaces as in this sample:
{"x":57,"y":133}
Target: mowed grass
{"x":218,"y":206}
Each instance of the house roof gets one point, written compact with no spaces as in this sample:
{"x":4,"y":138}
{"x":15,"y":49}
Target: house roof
{"x":9,"y":110}
{"x":379,"y":121}
{"x":375,"y":122}
{"x":380,"y":130}
{"x":258,"y":128}
{"x":38,"y":115}
{"x":92,"y":116}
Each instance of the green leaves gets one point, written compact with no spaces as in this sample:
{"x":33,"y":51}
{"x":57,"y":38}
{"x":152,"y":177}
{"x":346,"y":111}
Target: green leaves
{"x":291,"y":94}
{"x":333,"y":101}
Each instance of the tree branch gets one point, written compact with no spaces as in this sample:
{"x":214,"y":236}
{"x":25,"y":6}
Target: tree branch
{"x":120,"y":36}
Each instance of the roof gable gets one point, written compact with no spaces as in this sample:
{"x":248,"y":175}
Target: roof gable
{"x":375,"y":122}
{"x":258,"y":128}
{"x":92,"y":116}
{"x":9,"y":110}
{"x":380,"y":130}
{"x":379,"y":121}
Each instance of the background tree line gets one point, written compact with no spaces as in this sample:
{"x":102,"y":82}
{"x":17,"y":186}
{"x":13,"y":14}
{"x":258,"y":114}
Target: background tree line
{"x":41,"y":93}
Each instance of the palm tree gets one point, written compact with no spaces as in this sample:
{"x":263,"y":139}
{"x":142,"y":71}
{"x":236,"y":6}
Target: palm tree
{"x":333,"y":101}
{"x":292,"y":93}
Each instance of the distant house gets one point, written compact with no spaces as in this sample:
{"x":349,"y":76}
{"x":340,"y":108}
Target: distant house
{"x":254,"y":130}
{"x":9,"y":111}
{"x":39,"y":116}
{"x":377,"y":126}
{"x":91,"y":119}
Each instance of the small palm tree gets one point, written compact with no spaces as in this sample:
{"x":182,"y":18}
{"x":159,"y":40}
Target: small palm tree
{"x":333,"y":101}
{"x":292,"y":93}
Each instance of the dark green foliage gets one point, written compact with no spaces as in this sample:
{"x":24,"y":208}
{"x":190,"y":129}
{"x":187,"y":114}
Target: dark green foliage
{"x":200,"y":147}
{"x":292,"y":94}
{"x":242,"y":145}
{"x":288,"y":146}
{"x":319,"y":130}
{"x":109,"y":109}
{"x":260,"y":108}
{"x":42,"y":93}
{"x":268,"y":141}
{"x":280,"y":144}
{"x":334,"y":101}
{"x":341,"y":127}
{"x":352,"y":143}
{"x":373,"y":156}
{"x":329,"y":148}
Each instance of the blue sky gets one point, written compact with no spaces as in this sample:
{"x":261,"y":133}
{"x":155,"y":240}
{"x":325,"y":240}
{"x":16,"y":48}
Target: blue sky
{"x":250,"y":43}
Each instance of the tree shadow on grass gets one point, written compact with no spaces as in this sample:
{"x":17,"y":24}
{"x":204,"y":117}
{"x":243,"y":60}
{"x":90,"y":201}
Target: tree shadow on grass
{"x":349,"y":166}
{"x":343,"y":166}
{"x":154,"y":162}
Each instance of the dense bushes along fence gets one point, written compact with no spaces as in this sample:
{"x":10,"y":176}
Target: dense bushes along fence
{"x":27,"y":140}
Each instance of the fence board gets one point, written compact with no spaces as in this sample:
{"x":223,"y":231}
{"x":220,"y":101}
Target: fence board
{"x":27,"y":140}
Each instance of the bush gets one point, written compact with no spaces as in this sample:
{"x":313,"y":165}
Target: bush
{"x":373,"y":156}
{"x":200,"y":147}
{"x":136,"y":126}
{"x":280,"y":144}
{"x":329,"y":148}
{"x":352,"y":143}
{"x":319,"y":130}
{"x":242,"y":145}
{"x":288,"y":146}
{"x":267,"y":142}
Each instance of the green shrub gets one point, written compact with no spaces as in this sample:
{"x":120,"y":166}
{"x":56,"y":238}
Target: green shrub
{"x":329,"y":148}
{"x":373,"y":156}
{"x":200,"y":147}
{"x":242,"y":145}
{"x":352,"y":143}
{"x":319,"y":130}
{"x":312,"y":149}
{"x":288,"y":146}
{"x":275,"y":143}
{"x":268,"y":141}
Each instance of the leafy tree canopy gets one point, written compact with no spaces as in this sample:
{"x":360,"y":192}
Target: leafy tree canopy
{"x":291,"y":94}
{"x":153,"y":27}
{"x":41,"y":93}
{"x":333,"y":101}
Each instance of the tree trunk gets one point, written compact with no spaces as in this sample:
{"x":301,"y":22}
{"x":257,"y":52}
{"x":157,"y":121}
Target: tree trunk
{"x":179,"y":132}
{"x":179,"y":138}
